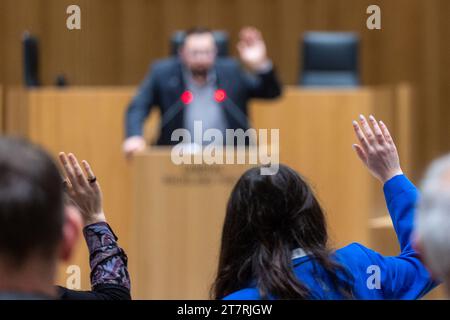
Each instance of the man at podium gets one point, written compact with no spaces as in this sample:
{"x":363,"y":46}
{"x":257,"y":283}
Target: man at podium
{"x":197,"y":85}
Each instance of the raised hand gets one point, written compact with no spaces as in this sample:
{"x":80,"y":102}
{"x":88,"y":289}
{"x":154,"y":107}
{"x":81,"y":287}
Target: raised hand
{"x":83,"y":189}
{"x":252,"y":49}
{"x":377,"y":149}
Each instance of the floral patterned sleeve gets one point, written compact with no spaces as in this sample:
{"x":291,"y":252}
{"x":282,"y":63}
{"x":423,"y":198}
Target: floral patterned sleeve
{"x":107,"y":260}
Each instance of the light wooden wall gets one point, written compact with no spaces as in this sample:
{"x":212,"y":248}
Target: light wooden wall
{"x":119,"y":38}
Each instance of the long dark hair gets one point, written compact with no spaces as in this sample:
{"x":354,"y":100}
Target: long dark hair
{"x":268,"y":216}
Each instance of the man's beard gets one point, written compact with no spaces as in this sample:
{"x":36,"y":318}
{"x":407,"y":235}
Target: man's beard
{"x":199,"y":72}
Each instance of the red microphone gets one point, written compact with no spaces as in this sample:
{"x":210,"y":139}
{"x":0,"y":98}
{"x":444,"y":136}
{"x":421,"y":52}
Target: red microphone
{"x":187,"y":97}
{"x":220,"y":95}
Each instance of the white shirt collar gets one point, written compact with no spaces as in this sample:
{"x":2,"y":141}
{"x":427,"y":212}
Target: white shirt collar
{"x":298,"y":253}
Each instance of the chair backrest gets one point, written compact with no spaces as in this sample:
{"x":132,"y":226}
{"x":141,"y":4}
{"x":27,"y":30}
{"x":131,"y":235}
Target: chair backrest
{"x":329,"y":59}
{"x":221,"y":38}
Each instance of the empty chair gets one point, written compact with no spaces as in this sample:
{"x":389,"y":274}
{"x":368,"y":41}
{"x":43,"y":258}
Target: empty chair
{"x":221,"y":38}
{"x":330,"y":59}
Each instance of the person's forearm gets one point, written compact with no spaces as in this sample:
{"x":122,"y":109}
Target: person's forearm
{"x":267,"y":86}
{"x":264,"y":67}
{"x":401,"y":196}
{"x":134,"y":120}
{"x":107,"y":260}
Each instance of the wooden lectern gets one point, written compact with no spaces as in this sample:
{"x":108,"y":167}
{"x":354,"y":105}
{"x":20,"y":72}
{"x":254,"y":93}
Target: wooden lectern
{"x":178,"y":216}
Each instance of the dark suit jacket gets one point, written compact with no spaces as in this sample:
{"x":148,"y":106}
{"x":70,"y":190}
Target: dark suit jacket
{"x":164,"y":85}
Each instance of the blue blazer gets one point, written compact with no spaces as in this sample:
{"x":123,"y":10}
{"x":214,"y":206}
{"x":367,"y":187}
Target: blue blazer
{"x":164,"y":85}
{"x":400,"y":277}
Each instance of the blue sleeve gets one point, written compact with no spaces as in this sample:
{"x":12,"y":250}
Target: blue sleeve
{"x":140,"y":106}
{"x":403,"y":276}
{"x":244,"y":294}
{"x":401,"y":198}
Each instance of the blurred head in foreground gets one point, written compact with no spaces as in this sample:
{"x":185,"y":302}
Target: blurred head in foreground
{"x":36,"y":229}
{"x":433,"y":220}
{"x":267,"y":218}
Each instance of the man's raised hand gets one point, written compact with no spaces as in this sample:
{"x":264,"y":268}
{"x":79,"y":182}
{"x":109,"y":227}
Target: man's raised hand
{"x":252,"y":49}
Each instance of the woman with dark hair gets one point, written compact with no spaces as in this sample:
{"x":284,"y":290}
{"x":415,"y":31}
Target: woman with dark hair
{"x":275,"y":241}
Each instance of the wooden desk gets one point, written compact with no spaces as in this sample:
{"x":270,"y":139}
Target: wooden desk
{"x":178,"y":218}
